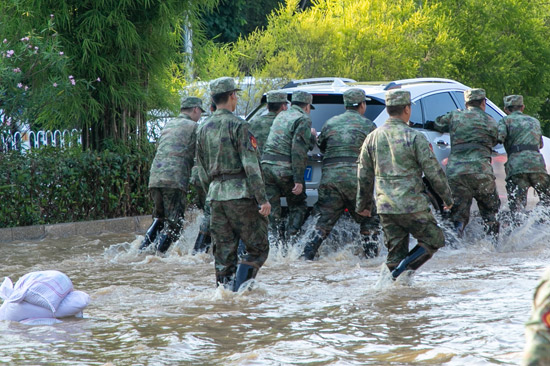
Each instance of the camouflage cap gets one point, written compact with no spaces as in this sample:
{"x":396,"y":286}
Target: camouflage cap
{"x":474,"y":94}
{"x":275,"y":96}
{"x":302,"y":97}
{"x":398,"y":97}
{"x":511,"y":100}
{"x":222,"y":85}
{"x":353,"y":97}
{"x":191,"y":102}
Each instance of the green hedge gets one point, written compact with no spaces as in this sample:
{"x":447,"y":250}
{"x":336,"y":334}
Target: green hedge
{"x":52,"y":185}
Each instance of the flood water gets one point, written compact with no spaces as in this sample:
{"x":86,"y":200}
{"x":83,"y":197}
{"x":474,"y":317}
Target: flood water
{"x":466,"y":306}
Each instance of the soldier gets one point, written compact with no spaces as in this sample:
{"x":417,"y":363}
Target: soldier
{"x":170,"y":172}
{"x":204,"y":239}
{"x":522,"y":137}
{"x":395,"y":156}
{"x":261,"y":123}
{"x":340,"y":142}
{"x":537,"y":329}
{"x":284,"y":161}
{"x":473,"y":134}
{"x":227,"y":153}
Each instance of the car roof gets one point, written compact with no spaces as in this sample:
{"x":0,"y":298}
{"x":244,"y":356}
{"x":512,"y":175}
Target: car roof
{"x":417,"y":87}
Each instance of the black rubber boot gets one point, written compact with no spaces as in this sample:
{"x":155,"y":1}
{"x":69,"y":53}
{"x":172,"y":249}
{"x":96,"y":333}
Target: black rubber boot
{"x":151,"y":233}
{"x":416,"y":257}
{"x":203,"y":242}
{"x":244,"y":273}
{"x":370,"y":245}
{"x":163,"y":242}
{"x":459,"y":228}
{"x":225,"y":281}
{"x":310,"y":250}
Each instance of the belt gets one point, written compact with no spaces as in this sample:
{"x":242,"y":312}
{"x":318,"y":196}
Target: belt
{"x":276,"y":157}
{"x":469,"y":145}
{"x":342,"y":159}
{"x":523,"y":147}
{"x":224,"y":177}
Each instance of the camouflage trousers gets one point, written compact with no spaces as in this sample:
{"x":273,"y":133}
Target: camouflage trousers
{"x":169,"y":206}
{"x":277,"y":187}
{"x":517,"y":186}
{"x":334,"y":199}
{"x":398,"y":227}
{"x":483,"y":188}
{"x":233,"y":220}
{"x":537,"y":328}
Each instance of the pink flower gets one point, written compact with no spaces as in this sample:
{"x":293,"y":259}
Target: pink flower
{"x":51,"y":16}
{"x":55,"y":85}
{"x":36,"y":48}
{"x":73,"y":82}
{"x":17,"y":69}
{"x":61,"y":53}
{"x":24,"y":39}
{"x":26,"y":87}
{"x":10,"y":53}
{"x":71,"y":77}
{"x":98,"y":79}
{"x":5,"y":40}
{"x":19,"y":85}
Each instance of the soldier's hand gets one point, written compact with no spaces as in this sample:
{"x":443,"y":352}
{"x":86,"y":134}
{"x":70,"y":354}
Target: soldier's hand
{"x":298,"y":188}
{"x":265,"y":209}
{"x":313,"y":131}
{"x":365,"y":212}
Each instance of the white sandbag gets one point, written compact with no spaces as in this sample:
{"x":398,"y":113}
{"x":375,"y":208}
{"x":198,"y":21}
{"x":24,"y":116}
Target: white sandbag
{"x":46,"y":289}
{"x":72,"y":305}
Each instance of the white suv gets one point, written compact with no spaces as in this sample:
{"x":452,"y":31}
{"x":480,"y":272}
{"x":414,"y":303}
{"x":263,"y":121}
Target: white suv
{"x":431,"y":98}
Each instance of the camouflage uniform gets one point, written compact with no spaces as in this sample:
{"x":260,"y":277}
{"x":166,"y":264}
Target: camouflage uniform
{"x":522,"y":137}
{"x":537,"y":329}
{"x":473,"y":134}
{"x":171,"y":169}
{"x":227,"y":153}
{"x":261,"y":124}
{"x":340,"y":142}
{"x":284,"y":162}
{"x":393,"y":158}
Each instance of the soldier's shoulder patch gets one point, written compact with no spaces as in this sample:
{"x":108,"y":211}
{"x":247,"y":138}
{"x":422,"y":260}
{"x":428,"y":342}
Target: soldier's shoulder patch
{"x":253,"y":143}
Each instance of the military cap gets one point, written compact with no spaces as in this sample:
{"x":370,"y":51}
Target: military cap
{"x":511,"y":100}
{"x":398,"y":97}
{"x":275,"y":96}
{"x":353,"y":97}
{"x":474,"y":94}
{"x":222,"y":85}
{"x":191,"y":102}
{"x":302,"y":97}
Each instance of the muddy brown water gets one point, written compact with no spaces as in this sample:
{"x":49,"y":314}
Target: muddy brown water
{"x":466,"y":306}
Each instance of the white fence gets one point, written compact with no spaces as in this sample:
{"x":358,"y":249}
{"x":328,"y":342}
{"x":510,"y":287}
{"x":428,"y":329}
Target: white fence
{"x":33,"y":140}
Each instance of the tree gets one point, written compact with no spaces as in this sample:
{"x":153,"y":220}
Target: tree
{"x":123,"y":51}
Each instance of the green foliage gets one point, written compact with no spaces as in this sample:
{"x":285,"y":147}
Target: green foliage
{"x":52,"y":185}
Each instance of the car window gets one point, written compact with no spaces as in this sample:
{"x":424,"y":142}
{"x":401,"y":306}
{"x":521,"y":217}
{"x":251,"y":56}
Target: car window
{"x":436,"y":105}
{"x":492,"y":112}
{"x":459,"y":98}
{"x":416,"y":114}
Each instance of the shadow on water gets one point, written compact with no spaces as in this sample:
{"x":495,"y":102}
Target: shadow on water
{"x":466,"y":306}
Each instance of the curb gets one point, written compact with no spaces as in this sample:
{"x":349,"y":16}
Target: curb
{"x":134,"y":224}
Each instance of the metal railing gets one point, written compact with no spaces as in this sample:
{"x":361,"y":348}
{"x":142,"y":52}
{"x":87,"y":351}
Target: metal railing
{"x":28,"y":140}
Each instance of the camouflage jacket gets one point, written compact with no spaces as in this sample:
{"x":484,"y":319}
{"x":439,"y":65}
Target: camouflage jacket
{"x":173,"y":161}
{"x":260,"y":126}
{"x":290,"y":136}
{"x":518,"y":129}
{"x":225,"y":147}
{"x":342,"y":137}
{"x":537,"y":329}
{"x":473,"y":135}
{"x":392,"y":159}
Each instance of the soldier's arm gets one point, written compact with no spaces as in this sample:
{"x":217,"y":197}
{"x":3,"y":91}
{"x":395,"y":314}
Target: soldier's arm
{"x":249,"y":158}
{"x":300,"y":147}
{"x":432,"y":170}
{"x":201,"y":168}
{"x":443,"y":123}
{"x":502,"y":130}
{"x":322,"y":139}
{"x":365,"y":180}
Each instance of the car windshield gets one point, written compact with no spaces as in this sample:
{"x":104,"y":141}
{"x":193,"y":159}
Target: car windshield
{"x":327,"y":106}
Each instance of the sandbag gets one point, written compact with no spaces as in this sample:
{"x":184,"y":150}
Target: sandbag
{"x":41,"y":295}
{"x":45,"y":289}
